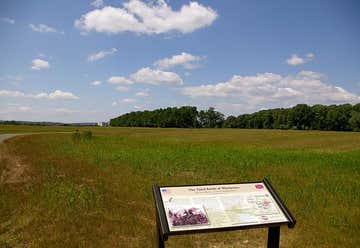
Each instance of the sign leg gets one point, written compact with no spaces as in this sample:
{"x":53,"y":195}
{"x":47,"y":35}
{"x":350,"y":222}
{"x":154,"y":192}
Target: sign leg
{"x":273,"y":237}
{"x":160,"y":240}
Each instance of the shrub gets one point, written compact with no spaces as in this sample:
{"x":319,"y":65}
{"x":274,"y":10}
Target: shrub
{"x":87,"y":135}
{"x":76,"y":136}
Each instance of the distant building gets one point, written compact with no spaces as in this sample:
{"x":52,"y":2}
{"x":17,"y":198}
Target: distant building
{"x":103,"y":124}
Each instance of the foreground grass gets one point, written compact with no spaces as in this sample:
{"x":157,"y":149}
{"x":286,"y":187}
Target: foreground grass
{"x":97,"y":193}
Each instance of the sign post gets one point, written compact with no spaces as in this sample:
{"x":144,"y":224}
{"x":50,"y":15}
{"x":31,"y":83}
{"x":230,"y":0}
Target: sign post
{"x":188,"y":209}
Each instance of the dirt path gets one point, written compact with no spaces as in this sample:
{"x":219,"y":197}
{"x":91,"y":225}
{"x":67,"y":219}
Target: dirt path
{"x":6,"y":136}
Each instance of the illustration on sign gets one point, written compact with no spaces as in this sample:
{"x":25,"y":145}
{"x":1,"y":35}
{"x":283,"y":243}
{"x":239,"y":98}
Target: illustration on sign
{"x":187,"y":215}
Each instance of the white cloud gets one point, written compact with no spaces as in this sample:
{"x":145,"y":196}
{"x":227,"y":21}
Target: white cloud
{"x":154,"y":17}
{"x":9,"y":93}
{"x":119,"y":80}
{"x":297,"y":60}
{"x":145,"y":75}
{"x":310,"y":56}
{"x":150,"y":76}
{"x":11,"y":108}
{"x":123,"y":101}
{"x":127,"y":100}
{"x":39,"y":64}
{"x":96,"y":82}
{"x":274,"y":90}
{"x":101,"y":54}
{"x":144,"y":93}
{"x":138,"y":107}
{"x":122,"y":88}
{"x":42,"y":28}
{"x":97,"y":3}
{"x":184,"y":59}
{"x":8,"y":20}
{"x":56,"y":95}
{"x":64,"y":111}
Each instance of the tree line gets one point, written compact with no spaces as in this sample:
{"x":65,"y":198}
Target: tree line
{"x":344,"y":117}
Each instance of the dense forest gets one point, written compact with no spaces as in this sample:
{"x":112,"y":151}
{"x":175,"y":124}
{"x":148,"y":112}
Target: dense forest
{"x":345,"y":117}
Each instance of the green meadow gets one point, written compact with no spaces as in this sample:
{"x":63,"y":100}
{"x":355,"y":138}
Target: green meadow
{"x":61,"y":191}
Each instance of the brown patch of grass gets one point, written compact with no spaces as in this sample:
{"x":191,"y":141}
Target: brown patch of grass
{"x":12,"y":169}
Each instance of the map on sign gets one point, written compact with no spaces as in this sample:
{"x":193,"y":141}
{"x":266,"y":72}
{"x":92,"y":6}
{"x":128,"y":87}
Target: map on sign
{"x":216,"y":206}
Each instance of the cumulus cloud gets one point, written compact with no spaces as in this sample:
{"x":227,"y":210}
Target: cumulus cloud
{"x":269,"y":89}
{"x":122,"y":88}
{"x":150,"y":76}
{"x":297,"y":60}
{"x":95,"y":83}
{"x":119,"y":80}
{"x":154,"y":17}
{"x":127,"y":100}
{"x":138,"y":107}
{"x":8,"y":20}
{"x":144,"y":93}
{"x":40,"y":64}
{"x":101,"y":54}
{"x":42,"y":28}
{"x":56,"y":95}
{"x":97,"y":3}
{"x":187,"y":60}
{"x":123,"y":101}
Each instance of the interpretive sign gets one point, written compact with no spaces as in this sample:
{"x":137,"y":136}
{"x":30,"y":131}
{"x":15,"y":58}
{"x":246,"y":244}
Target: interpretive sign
{"x":219,"y":207}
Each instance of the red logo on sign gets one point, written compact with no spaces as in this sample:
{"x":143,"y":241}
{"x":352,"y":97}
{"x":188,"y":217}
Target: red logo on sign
{"x":259,"y":186}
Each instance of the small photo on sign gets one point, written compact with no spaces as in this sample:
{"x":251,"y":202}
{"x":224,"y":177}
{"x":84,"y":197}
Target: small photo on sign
{"x":187,"y":215}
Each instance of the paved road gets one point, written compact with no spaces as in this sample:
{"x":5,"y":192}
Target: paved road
{"x":6,"y":136}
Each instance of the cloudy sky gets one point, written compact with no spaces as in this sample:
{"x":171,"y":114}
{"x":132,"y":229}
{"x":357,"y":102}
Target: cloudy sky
{"x":74,"y":61}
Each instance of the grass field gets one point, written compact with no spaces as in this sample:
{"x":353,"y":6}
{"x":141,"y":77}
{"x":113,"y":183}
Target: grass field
{"x":57,"y":192}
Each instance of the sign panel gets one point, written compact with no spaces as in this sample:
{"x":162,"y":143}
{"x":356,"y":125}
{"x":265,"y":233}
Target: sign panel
{"x":219,"y":206}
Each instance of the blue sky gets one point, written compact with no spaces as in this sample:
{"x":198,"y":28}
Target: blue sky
{"x":74,"y":61}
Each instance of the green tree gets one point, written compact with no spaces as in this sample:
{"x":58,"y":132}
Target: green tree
{"x":355,"y":121}
{"x":318,"y":121}
{"x":338,"y":117}
{"x":301,"y":116}
{"x":210,"y":118}
{"x":230,"y":122}
{"x":356,"y":107}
